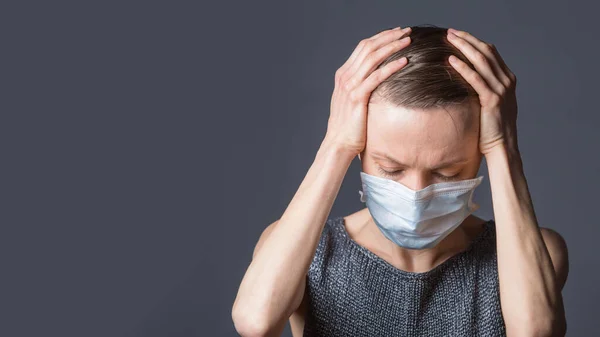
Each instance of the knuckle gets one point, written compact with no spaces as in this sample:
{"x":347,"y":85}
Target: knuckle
{"x":338,"y":75}
{"x":369,"y":59}
{"x":475,"y":77}
{"x":460,"y":41}
{"x":349,"y":84}
{"x":368,"y":45}
{"x":354,"y":96}
{"x":502,"y":91}
{"x":378,"y":75}
{"x":490,"y":47}
{"x":401,"y":40}
{"x":341,"y":73}
{"x":361,"y":44}
{"x":494,"y":99}
{"x":400,"y":43}
{"x":479,"y":57}
{"x":338,"y":72}
{"x":381,"y":56}
{"x":460,"y":65}
{"x":387,"y":48}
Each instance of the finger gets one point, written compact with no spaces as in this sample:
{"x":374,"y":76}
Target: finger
{"x":360,"y":46}
{"x":367,"y":86}
{"x":479,"y":60}
{"x":486,"y":95}
{"x":490,"y":51}
{"x":375,"y":58}
{"x":503,"y":65}
{"x":373,"y":44}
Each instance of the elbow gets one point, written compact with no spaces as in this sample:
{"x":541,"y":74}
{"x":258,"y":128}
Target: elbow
{"x":557,"y":328}
{"x":249,"y":325}
{"x":249,"y":329}
{"x":549,"y":331}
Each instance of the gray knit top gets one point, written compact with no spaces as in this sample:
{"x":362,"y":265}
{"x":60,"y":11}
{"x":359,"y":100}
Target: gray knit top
{"x":353,"y":292}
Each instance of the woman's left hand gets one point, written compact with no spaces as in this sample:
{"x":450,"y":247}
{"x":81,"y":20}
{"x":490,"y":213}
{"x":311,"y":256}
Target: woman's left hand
{"x":496,"y":86}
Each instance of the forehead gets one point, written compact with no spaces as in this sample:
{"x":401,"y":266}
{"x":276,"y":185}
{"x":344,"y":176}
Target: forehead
{"x":439,"y":132}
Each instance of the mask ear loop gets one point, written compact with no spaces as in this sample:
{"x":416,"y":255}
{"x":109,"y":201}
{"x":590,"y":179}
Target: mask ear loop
{"x":363,"y":197}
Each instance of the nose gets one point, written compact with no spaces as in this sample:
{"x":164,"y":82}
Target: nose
{"x":415,"y":182}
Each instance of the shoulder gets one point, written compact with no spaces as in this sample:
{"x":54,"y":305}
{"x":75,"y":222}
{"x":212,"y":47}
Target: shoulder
{"x":557,"y":248}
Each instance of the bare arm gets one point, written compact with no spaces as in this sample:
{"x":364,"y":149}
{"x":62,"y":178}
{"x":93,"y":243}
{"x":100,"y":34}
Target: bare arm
{"x":530,"y":287}
{"x":273,"y":285}
{"x":532,"y":264}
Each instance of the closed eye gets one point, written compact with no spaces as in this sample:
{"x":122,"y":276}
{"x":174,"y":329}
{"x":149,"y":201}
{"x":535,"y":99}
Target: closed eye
{"x":446,"y":178}
{"x":388,"y":173}
{"x":392,"y":174}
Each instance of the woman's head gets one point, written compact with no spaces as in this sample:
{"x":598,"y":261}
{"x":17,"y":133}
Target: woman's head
{"x":423,"y":116}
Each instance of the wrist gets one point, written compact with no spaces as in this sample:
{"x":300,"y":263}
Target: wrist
{"x":333,"y":149}
{"x":504,"y":152}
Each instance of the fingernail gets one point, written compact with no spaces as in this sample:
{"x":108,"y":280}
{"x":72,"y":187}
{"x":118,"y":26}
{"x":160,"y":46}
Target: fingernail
{"x":407,"y":29}
{"x":452,"y":59}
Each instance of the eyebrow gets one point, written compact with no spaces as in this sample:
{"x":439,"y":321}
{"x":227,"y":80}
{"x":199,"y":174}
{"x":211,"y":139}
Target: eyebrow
{"x":437,"y":167}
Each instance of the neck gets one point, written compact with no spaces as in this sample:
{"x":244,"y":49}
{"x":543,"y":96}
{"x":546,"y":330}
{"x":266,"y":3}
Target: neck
{"x":419,"y":260}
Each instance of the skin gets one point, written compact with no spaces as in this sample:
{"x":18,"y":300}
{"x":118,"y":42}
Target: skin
{"x":411,"y":146}
{"x":532,"y":261}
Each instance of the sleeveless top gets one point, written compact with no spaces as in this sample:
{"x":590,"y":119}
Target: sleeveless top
{"x":353,"y":292}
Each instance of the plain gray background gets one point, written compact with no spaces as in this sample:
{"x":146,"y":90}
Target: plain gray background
{"x":146,"y":146}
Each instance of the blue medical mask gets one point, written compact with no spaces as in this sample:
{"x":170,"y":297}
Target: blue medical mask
{"x":418,"y":219}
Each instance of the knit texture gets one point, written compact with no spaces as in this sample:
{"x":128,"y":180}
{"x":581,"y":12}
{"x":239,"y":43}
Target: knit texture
{"x":353,"y":292}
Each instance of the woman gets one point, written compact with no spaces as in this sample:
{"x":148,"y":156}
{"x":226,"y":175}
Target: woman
{"x":420,"y":107}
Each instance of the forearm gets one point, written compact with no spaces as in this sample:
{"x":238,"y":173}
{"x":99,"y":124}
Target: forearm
{"x":281,"y":264}
{"x":528,"y":290}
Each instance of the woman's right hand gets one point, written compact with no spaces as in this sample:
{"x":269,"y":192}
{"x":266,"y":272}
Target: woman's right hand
{"x":355,"y":80}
